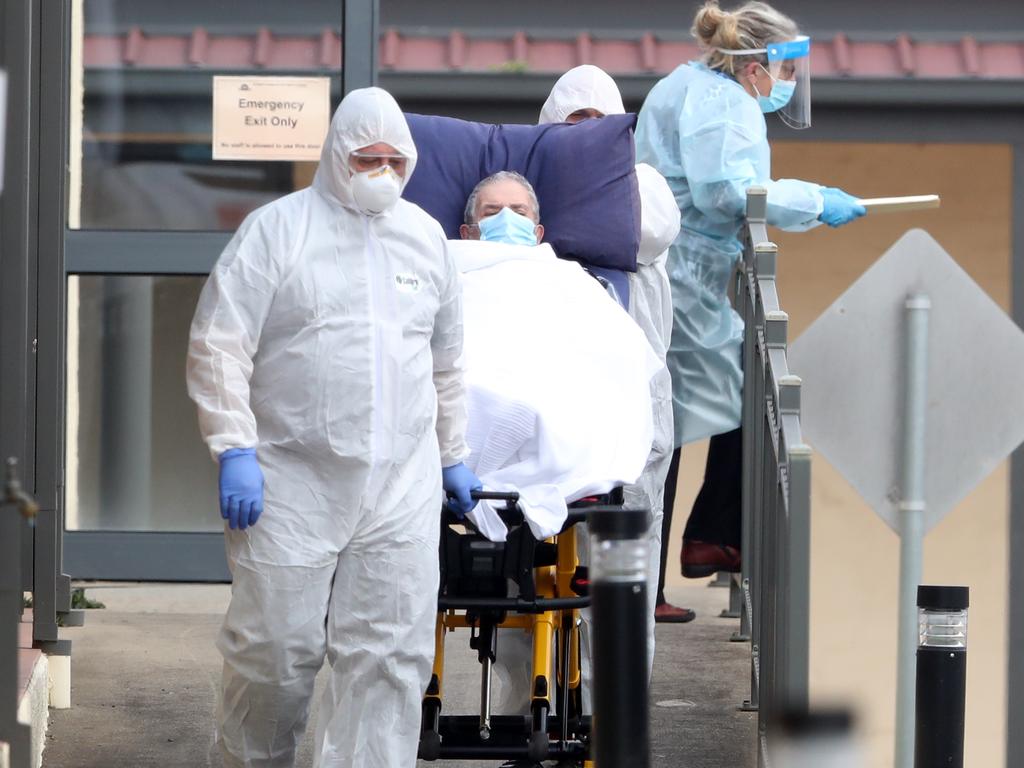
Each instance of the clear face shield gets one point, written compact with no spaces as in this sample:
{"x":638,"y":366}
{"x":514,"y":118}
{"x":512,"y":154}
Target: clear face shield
{"x":789,"y":66}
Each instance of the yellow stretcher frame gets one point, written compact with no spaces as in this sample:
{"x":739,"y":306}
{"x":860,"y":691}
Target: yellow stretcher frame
{"x":551,"y":582}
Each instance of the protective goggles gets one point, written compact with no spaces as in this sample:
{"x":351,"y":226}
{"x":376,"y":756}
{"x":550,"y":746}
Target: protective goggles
{"x":361,"y":160}
{"x":789,"y":61}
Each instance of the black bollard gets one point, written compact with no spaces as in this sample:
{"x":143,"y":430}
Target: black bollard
{"x":941,"y":676}
{"x":618,"y":604}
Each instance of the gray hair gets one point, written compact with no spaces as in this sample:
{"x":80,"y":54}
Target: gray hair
{"x":469,"y":216}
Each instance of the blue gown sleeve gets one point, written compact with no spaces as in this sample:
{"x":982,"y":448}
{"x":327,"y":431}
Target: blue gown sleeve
{"x":724,"y":156}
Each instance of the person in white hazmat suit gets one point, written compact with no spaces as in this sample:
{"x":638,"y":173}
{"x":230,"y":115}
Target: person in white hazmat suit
{"x":323,"y":361}
{"x":585,"y":92}
{"x":589,"y":92}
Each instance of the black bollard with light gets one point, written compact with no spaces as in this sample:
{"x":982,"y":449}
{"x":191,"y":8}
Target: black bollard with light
{"x":941,"y":676}
{"x":619,"y":548}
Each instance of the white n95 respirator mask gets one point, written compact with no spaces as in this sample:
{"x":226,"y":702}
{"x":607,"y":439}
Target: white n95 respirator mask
{"x":377,"y":190}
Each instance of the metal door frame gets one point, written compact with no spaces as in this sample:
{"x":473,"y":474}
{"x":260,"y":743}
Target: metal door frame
{"x":129,"y":555}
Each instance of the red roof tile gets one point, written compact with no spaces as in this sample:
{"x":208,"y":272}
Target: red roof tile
{"x":465,"y":52}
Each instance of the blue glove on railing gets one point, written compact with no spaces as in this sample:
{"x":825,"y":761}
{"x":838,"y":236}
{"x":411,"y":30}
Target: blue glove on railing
{"x":459,"y":480}
{"x":840,"y":208}
{"x":241,"y":488}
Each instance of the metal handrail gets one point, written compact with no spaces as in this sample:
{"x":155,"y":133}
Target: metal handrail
{"x":774,"y":584}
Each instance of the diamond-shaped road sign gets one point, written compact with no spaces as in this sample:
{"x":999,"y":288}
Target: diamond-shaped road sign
{"x":851,"y":363}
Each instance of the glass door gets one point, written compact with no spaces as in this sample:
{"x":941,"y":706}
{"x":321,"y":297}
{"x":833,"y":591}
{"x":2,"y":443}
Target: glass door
{"x":156,"y":184}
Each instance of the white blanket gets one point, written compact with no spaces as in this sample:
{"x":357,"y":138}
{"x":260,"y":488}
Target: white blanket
{"x":558,"y":379}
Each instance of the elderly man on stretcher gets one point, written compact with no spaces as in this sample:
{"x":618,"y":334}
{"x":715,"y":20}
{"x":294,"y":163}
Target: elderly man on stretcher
{"x":530,"y":345}
{"x":558,"y":374}
{"x":562,"y":383}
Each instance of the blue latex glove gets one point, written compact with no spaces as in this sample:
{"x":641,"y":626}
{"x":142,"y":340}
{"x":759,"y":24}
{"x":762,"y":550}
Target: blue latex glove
{"x":459,"y":480}
{"x":840,"y":208}
{"x":241,"y":488}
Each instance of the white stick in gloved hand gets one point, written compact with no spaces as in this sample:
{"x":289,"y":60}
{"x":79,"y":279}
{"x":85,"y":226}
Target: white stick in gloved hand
{"x":899,"y":204}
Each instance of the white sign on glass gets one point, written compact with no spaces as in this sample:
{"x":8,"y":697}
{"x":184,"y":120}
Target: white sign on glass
{"x":270,"y":118}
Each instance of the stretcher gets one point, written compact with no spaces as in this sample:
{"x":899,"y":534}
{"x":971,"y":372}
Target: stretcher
{"x":536,"y":435}
{"x":520,"y":583}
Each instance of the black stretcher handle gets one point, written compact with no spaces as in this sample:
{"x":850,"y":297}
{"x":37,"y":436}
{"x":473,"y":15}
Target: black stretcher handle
{"x":582,"y":514}
{"x":514,"y":516}
{"x":510,"y":515}
{"x":540,"y":605}
{"x":511,"y":496}
{"x":575,"y":516}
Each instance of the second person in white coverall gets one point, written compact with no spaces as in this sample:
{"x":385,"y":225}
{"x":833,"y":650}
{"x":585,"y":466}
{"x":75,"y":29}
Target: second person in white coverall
{"x":589,"y":92}
{"x":323,"y":361}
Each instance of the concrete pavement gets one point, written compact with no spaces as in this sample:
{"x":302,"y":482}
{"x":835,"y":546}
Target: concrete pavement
{"x":145,"y":674}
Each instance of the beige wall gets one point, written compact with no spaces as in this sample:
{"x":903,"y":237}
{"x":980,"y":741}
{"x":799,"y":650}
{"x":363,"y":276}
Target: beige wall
{"x":855,"y":556}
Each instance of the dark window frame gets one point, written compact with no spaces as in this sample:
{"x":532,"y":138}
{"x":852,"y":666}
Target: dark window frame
{"x":154,"y":555}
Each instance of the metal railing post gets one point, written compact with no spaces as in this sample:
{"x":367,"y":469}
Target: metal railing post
{"x":747,"y":307}
{"x":770,"y":559}
{"x":797,"y":583}
{"x":776,"y":490}
{"x":757,"y":211}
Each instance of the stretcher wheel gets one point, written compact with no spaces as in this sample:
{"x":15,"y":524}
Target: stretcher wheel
{"x":538,"y":747}
{"x":430,"y":746}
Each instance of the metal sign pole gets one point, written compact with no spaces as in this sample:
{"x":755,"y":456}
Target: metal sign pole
{"x":912,"y":506}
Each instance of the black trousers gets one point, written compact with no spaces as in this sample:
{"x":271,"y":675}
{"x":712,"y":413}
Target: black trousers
{"x":716,"y":516}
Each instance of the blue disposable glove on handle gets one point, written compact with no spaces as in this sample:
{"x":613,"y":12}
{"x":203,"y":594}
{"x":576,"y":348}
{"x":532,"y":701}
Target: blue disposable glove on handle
{"x":840,"y":208}
{"x":241,"y":488}
{"x":459,"y":480}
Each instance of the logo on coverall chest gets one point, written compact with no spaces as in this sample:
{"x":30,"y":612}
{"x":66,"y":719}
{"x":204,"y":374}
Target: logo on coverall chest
{"x":407,"y":283}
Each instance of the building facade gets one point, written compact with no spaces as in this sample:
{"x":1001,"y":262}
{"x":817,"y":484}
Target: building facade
{"x":114,"y":210}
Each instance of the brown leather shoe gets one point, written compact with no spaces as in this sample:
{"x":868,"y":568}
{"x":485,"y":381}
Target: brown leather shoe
{"x":701,"y":559}
{"x":666,"y":613}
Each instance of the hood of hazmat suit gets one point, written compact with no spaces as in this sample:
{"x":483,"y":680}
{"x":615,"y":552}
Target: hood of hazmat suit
{"x":582,"y":87}
{"x":590,"y":87}
{"x":328,"y":339}
{"x":706,"y":135}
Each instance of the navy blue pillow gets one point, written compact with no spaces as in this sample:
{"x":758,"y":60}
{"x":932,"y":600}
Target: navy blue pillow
{"x":583,"y":174}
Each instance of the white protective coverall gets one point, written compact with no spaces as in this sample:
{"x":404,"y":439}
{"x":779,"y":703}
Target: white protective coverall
{"x":557,"y":386}
{"x":650,"y":304}
{"x":559,"y":404}
{"x":328,"y":339}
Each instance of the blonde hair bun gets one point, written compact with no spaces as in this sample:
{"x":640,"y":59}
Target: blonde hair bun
{"x":753,"y":25}
{"x":715,"y":28}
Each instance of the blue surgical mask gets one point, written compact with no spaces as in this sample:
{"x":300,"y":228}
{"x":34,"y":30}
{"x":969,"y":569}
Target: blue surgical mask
{"x":779,"y":96}
{"x":507,"y":226}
